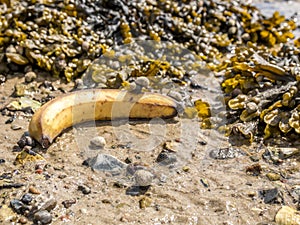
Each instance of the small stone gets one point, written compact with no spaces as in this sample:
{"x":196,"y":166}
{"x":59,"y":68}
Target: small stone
{"x":142,"y":81}
{"x":145,"y":202}
{"x":43,"y":217}
{"x":15,"y":127}
{"x":29,"y":141}
{"x":33,"y":190}
{"x":204,"y":182}
{"x":287,"y":216}
{"x":2,"y":79}
{"x":30,"y":76}
{"x":18,"y":206}
{"x":251,"y":194}
{"x":26,"y":198}
{"x":68,"y":203}
{"x":271,"y":196}
{"x":85,"y":46}
{"x":273,"y":176}
{"x":104,"y":162}
{"x":49,"y":205}
{"x":83,"y":211}
{"x":98,"y":142}
{"x":232,"y":30}
{"x":2,"y":161}
{"x":84,"y":189}
{"x":106,"y":201}
{"x":186,"y":169}
{"x":254,"y":169}
{"x":166,"y":158}
{"x":22,"y":220}
{"x":285,"y":153}
{"x":143,"y":178}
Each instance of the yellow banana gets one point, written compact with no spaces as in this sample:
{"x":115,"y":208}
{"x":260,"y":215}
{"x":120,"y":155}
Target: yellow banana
{"x":96,"y":104}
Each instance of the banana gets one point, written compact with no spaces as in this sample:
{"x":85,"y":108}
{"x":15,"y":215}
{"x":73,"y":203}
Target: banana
{"x":96,"y":104}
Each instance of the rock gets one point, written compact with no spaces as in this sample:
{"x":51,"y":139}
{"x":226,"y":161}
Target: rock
{"x":271,"y":196}
{"x":33,"y":190}
{"x":285,"y":153}
{"x":16,"y":127}
{"x":30,"y":76}
{"x":287,"y":216}
{"x":166,"y":158}
{"x":145,"y":202}
{"x":26,"y":198}
{"x":49,"y":205}
{"x":84,"y":189}
{"x":104,"y":162}
{"x":142,"y":81}
{"x":22,"y":220}
{"x":83,"y":211}
{"x":143,"y":178}
{"x":97,"y":142}
{"x":186,"y":169}
{"x":137,"y":190}
{"x":18,"y":206}
{"x":68,"y":203}
{"x":254,"y":169}
{"x":273,"y":176}
{"x":43,"y":217}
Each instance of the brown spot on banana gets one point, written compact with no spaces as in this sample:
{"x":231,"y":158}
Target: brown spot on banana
{"x":96,"y":104}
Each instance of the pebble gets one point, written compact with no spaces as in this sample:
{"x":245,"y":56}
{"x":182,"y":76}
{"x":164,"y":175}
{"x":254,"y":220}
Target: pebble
{"x":26,"y":198}
{"x":285,"y":153}
{"x":68,"y":203}
{"x":98,"y":142}
{"x":142,"y":81}
{"x":287,"y":216}
{"x":30,"y":76}
{"x":104,"y":162}
{"x":83,"y":211}
{"x":22,"y":220}
{"x":33,"y":190}
{"x":145,"y":202}
{"x":15,"y":127}
{"x":18,"y":206}
{"x":49,"y":205}
{"x":166,"y":158}
{"x":273,"y":176}
{"x":186,"y":168}
{"x":84,"y":189}
{"x":143,"y":178}
{"x":271,"y":196}
{"x":43,"y":217}
{"x":254,"y":169}
{"x":2,"y":161}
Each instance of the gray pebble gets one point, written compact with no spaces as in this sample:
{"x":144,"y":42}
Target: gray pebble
{"x":142,"y":81}
{"x":43,"y":217}
{"x":103,"y":162}
{"x":98,"y":142}
{"x":143,"y":178}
